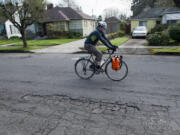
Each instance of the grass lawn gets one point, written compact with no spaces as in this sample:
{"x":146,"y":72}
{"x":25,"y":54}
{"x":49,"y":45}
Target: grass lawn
{"x":47,"y":42}
{"x":19,"y":48}
{"x":166,"y":50}
{"x":116,"y":41}
{"x":8,"y":41}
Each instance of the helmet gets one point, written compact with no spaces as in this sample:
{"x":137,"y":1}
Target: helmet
{"x":102,"y":24}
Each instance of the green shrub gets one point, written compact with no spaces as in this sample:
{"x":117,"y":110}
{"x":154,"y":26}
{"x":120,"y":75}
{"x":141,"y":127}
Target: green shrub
{"x":70,"y":35}
{"x":121,"y":33}
{"x":154,"y":39}
{"x":14,"y":38}
{"x":159,"y":38}
{"x":174,"y":32}
{"x":165,"y":39}
{"x":116,"y":34}
{"x":78,"y":35}
{"x":74,"y":35}
{"x":123,"y":26}
{"x":159,"y":28}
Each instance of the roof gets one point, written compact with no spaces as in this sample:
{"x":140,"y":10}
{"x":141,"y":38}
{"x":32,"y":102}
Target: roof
{"x":112,"y":20}
{"x":64,"y":14}
{"x":155,"y":13}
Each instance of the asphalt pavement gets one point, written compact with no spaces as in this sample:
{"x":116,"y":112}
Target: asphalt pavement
{"x":146,"y":102}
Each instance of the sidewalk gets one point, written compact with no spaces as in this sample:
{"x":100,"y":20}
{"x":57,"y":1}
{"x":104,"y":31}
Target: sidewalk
{"x":71,"y":47}
{"x":6,"y":45}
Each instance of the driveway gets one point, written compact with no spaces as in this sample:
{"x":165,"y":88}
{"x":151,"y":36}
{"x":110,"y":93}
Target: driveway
{"x":71,"y":47}
{"x":134,"y":46}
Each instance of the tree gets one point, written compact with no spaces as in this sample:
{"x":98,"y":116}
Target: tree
{"x":177,"y":2}
{"x":23,"y":14}
{"x":70,"y":3}
{"x":123,"y":17}
{"x":114,"y":12}
{"x":109,"y":12}
{"x":139,"y":5}
{"x":2,"y":17}
{"x":99,"y":18}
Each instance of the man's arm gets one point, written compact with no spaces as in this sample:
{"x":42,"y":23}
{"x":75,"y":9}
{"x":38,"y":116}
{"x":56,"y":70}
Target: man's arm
{"x":104,"y":41}
{"x":107,"y":39}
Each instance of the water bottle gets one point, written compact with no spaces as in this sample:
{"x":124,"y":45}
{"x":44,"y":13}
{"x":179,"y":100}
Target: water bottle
{"x":102,"y":62}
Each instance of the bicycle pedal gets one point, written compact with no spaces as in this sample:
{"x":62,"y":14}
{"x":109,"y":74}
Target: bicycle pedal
{"x":98,"y":71}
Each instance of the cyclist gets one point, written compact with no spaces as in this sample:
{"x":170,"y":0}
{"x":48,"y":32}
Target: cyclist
{"x":93,"y":38}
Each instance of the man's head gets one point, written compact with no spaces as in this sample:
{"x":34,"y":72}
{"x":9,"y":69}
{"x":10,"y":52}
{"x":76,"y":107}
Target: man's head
{"x":102,"y":26}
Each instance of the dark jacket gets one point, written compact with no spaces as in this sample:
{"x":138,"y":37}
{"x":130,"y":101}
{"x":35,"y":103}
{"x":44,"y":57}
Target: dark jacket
{"x":97,"y":35}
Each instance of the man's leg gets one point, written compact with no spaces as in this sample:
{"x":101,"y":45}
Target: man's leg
{"x":92,"y":49}
{"x":98,"y":55}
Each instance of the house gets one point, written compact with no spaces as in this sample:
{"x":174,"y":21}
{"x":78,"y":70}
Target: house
{"x":66,"y":19}
{"x":7,"y":29}
{"x":153,"y":16}
{"x":113,"y":24}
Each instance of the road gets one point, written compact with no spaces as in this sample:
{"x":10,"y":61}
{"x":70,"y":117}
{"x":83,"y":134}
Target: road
{"x":152,"y":84}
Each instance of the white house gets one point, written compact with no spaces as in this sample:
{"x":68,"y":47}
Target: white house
{"x":11,"y":30}
{"x":6,"y":26}
{"x":171,"y":18}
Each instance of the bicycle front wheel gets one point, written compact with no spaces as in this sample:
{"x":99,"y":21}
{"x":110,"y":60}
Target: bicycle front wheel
{"x":83,"y":70}
{"x":116,"y":75}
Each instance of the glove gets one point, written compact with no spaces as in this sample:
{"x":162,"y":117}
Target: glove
{"x":114,"y":48}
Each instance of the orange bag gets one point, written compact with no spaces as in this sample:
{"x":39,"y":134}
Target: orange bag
{"x":115,"y":63}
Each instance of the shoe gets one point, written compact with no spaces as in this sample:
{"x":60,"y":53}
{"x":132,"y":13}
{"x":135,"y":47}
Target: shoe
{"x":99,"y":69}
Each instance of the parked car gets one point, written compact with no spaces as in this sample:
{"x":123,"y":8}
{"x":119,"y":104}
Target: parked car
{"x":139,"y":31}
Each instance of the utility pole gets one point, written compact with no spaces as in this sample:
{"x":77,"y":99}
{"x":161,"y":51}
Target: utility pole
{"x":68,"y":3}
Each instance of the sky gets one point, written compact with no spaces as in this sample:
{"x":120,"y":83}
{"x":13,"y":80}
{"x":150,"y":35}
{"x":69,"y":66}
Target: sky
{"x":97,"y":6}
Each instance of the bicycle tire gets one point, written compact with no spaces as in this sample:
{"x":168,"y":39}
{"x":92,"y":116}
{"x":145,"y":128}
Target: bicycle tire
{"x":110,"y":76}
{"x":88,"y":62}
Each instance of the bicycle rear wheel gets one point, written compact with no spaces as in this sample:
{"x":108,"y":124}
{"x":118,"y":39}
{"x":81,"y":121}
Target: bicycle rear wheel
{"x":83,"y":70}
{"x":116,"y":75}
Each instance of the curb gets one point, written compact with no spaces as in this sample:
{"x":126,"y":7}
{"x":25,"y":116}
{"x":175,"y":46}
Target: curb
{"x":5,"y":51}
{"x":167,"y":54}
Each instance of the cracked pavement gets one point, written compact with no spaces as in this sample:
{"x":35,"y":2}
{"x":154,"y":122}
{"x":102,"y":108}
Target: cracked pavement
{"x":61,"y":115}
{"x":41,"y":95}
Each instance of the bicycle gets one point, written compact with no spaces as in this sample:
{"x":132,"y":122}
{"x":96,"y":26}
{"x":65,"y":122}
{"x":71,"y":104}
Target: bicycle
{"x":83,"y":70}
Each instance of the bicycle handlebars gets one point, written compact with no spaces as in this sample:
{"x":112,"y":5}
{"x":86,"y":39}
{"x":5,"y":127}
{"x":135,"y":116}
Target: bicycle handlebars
{"x":112,"y":50}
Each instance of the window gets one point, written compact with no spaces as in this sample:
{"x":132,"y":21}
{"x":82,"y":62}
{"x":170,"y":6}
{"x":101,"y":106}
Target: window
{"x":158,"y":22}
{"x":11,"y":29}
{"x":172,"y":22}
{"x":59,"y":26}
{"x":143,"y":23}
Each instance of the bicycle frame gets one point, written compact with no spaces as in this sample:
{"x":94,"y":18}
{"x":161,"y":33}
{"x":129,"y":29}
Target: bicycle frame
{"x":109,"y":57}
